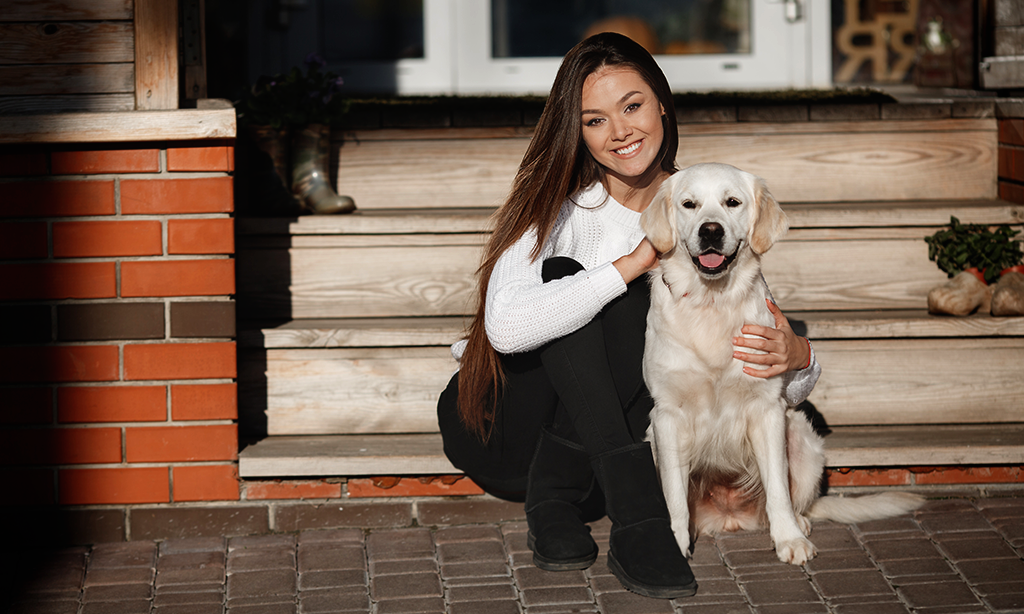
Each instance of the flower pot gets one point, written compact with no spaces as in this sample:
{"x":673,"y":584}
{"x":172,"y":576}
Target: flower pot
{"x":1013,"y":269}
{"x":979,"y":274}
{"x":310,"y":177}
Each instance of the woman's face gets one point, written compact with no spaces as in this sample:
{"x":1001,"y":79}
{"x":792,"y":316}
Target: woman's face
{"x":621,"y":121}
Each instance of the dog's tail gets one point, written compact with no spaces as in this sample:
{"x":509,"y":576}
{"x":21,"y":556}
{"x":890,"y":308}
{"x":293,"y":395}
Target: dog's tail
{"x":864,"y":508}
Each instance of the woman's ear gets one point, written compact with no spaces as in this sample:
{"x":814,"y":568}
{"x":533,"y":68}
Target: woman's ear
{"x":769,"y":222}
{"x":658,"y":220}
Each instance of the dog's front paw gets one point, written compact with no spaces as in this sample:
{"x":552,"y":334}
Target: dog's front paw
{"x":804,"y":523}
{"x":796,"y":551}
{"x":683,"y":539}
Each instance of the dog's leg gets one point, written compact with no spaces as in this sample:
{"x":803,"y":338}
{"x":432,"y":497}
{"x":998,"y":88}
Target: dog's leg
{"x":806,"y":455}
{"x":768,"y":438}
{"x":674,"y":470}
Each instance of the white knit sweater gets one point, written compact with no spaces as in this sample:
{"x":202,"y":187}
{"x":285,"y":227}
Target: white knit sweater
{"x":523,"y":313}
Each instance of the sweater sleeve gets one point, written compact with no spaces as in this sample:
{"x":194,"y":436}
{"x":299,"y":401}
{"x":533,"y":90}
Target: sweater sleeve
{"x":799,"y":384}
{"x":522,"y":313}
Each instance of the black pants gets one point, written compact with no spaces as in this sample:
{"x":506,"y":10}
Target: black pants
{"x":586,"y":387}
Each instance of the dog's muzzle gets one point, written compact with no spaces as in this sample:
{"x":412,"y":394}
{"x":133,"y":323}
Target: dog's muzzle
{"x":711,"y":261}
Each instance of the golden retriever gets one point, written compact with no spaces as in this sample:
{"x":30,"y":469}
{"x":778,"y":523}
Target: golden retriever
{"x":730,"y":452}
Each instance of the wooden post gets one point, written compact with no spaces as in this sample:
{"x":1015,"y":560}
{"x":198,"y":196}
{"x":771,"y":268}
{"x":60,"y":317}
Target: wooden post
{"x":156,"y":54}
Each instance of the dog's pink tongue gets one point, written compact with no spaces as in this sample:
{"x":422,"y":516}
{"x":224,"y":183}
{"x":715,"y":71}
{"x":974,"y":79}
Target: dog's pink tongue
{"x":711,"y":260}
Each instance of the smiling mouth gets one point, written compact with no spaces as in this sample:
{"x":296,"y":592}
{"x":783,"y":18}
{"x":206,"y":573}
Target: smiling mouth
{"x":625,"y":151}
{"x":712,"y":263}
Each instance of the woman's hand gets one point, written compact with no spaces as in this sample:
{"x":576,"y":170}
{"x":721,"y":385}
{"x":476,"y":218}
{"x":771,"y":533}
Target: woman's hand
{"x":639,"y":261}
{"x":786,"y":351}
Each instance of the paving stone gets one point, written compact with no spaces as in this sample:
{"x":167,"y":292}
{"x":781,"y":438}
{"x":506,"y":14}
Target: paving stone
{"x":711,"y":572}
{"x":271,"y":559}
{"x":398,"y":545}
{"x":716,"y":608}
{"x":445,"y":513}
{"x":1012,"y":530}
{"x":610,"y":584}
{"x":384,"y":568}
{"x":332,"y":578}
{"x":474,"y":569}
{"x":422,"y":605}
{"x":470,"y":533}
{"x":901,"y":524}
{"x":765,"y":592}
{"x":259,"y":542}
{"x":891,"y":549}
{"x":781,"y":572}
{"x":891,"y":597}
{"x":117,"y":607}
{"x":117,"y":592}
{"x":486,"y":592}
{"x":998,"y":588}
{"x":131,"y":554}
{"x":57,"y":606}
{"x":534,"y":577}
{"x":915,"y":567}
{"x":261,"y":583}
{"x":954,"y":609}
{"x":169,"y":577}
{"x":717,"y":587}
{"x":937,"y":594}
{"x":301,"y":516}
{"x":193,"y":544}
{"x":516,"y":543}
{"x":466,"y":552}
{"x":265,"y":608}
{"x":706,"y":552}
{"x":995,"y":570}
{"x":119,"y":575}
{"x":521,"y":559}
{"x":562,"y":594}
{"x":320,"y":536}
{"x":630,"y":603}
{"x":491,"y":607}
{"x":341,"y":557}
{"x":752,"y":558}
{"x":794,"y":608}
{"x":976,"y":548}
{"x":834,"y":560}
{"x":190,"y":560}
{"x":834,"y":538}
{"x":162,"y":599}
{"x":192,"y":608}
{"x":953,"y":522}
{"x":1008,"y":601}
{"x":477,"y":581}
{"x":928,"y":579}
{"x":731,"y":542}
{"x":52,"y":581}
{"x":843,"y":583}
{"x":562,"y":608}
{"x":334,"y":600}
{"x":405,"y":586}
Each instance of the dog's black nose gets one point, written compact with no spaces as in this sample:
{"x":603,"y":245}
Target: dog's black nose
{"x":711,"y":234}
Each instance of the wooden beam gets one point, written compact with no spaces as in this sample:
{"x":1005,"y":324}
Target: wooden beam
{"x":184,"y":124}
{"x":67,"y":79}
{"x":156,"y":54}
{"x":80,"y":42}
{"x":70,"y":10}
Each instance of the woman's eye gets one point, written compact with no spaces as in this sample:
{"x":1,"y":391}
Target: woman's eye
{"x":593,"y":122}
{"x":633,"y":107}
{"x":732,"y":202}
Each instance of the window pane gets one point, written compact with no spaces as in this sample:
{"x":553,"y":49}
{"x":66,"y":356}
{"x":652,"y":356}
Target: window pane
{"x":372,"y":30}
{"x":546,"y":28}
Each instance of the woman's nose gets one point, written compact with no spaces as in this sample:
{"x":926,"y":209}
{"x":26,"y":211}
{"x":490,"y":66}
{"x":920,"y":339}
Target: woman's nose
{"x":621,"y":129}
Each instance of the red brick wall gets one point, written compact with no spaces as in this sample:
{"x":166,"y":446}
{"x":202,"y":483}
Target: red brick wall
{"x":1011,"y":159}
{"x":117,"y":358}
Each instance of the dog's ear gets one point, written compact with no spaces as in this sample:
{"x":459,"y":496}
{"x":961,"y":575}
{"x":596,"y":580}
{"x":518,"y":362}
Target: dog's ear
{"x":768,"y":221}
{"x":659,"y":221}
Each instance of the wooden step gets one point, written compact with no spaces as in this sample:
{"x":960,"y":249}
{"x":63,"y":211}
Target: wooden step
{"x":421,"y":454}
{"x":802,"y":161}
{"x":841,"y":256}
{"x":384,"y":375}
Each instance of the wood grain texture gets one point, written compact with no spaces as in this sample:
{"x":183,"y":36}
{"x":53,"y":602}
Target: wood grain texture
{"x":66,"y":42}
{"x":920,"y":381}
{"x":392,"y":390}
{"x":31,"y":106}
{"x":182,"y":124}
{"x":68,"y":10}
{"x":67,"y":79}
{"x":358,"y":332}
{"x":925,"y":445}
{"x":156,"y":54}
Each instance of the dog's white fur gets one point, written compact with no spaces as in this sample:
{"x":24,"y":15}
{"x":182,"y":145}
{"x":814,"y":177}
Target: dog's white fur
{"x":730,"y":453}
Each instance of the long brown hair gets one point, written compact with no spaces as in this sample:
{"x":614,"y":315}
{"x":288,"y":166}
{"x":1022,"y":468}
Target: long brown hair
{"x":557,"y":164}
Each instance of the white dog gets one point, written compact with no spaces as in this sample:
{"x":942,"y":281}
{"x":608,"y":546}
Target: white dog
{"x":730,"y":453}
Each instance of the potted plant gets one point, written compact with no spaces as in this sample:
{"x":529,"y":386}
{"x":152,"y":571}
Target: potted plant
{"x":973,"y":256}
{"x":296,"y":109}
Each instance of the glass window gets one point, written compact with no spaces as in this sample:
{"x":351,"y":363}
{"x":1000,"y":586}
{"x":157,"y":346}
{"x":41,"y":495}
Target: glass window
{"x":372,"y":30}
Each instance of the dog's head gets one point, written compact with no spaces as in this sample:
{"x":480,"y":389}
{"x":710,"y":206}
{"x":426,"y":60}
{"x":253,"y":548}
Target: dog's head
{"x":713,"y":212}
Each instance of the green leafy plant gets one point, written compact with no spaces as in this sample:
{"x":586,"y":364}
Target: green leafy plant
{"x":963,"y":246}
{"x":295,"y":98}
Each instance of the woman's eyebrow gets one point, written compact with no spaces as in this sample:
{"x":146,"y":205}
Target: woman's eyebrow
{"x":621,"y":100}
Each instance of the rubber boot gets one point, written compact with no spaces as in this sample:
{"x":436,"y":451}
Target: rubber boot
{"x":310,"y":180}
{"x":642,"y":550}
{"x":560,"y":481}
{"x":1008,"y":295}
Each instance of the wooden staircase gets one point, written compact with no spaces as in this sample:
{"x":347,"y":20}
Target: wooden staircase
{"x":362,"y":309}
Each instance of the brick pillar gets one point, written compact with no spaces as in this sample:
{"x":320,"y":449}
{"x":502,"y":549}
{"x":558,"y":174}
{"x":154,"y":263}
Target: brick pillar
{"x":1011,"y":155}
{"x":117,"y":324}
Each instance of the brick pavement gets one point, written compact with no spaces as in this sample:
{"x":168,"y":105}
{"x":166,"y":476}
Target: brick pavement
{"x":953,"y":556}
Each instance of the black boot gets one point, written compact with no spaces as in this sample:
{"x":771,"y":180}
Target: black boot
{"x":642,"y":550}
{"x":561,"y":478}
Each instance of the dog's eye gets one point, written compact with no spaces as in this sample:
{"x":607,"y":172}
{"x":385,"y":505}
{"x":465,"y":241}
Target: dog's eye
{"x":732,"y":202}
{"x":689,"y":204}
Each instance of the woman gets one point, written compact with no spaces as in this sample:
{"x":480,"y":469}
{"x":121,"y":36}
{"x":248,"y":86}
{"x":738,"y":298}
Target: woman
{"x":549,"y":404}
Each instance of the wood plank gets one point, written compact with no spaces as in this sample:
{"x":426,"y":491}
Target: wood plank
{"x":801,"y":167}
{"x":182,"y":124}
{"x":920,"y":381}
{"x":373,"y":222}
{"x":916,"y":445}
{"x":357,"y":332}
{"x":19,"y":107}
{"x":371,"y":390}
{"x":909,"y":213}
{"x":897,"y":324}
{"x":156,"y":54}
{"x":423,"y":453}
{"x":67,"y":79}
{"x":67,"y":10}
{"x":66,"y":42}
{"x":351,"y":455}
